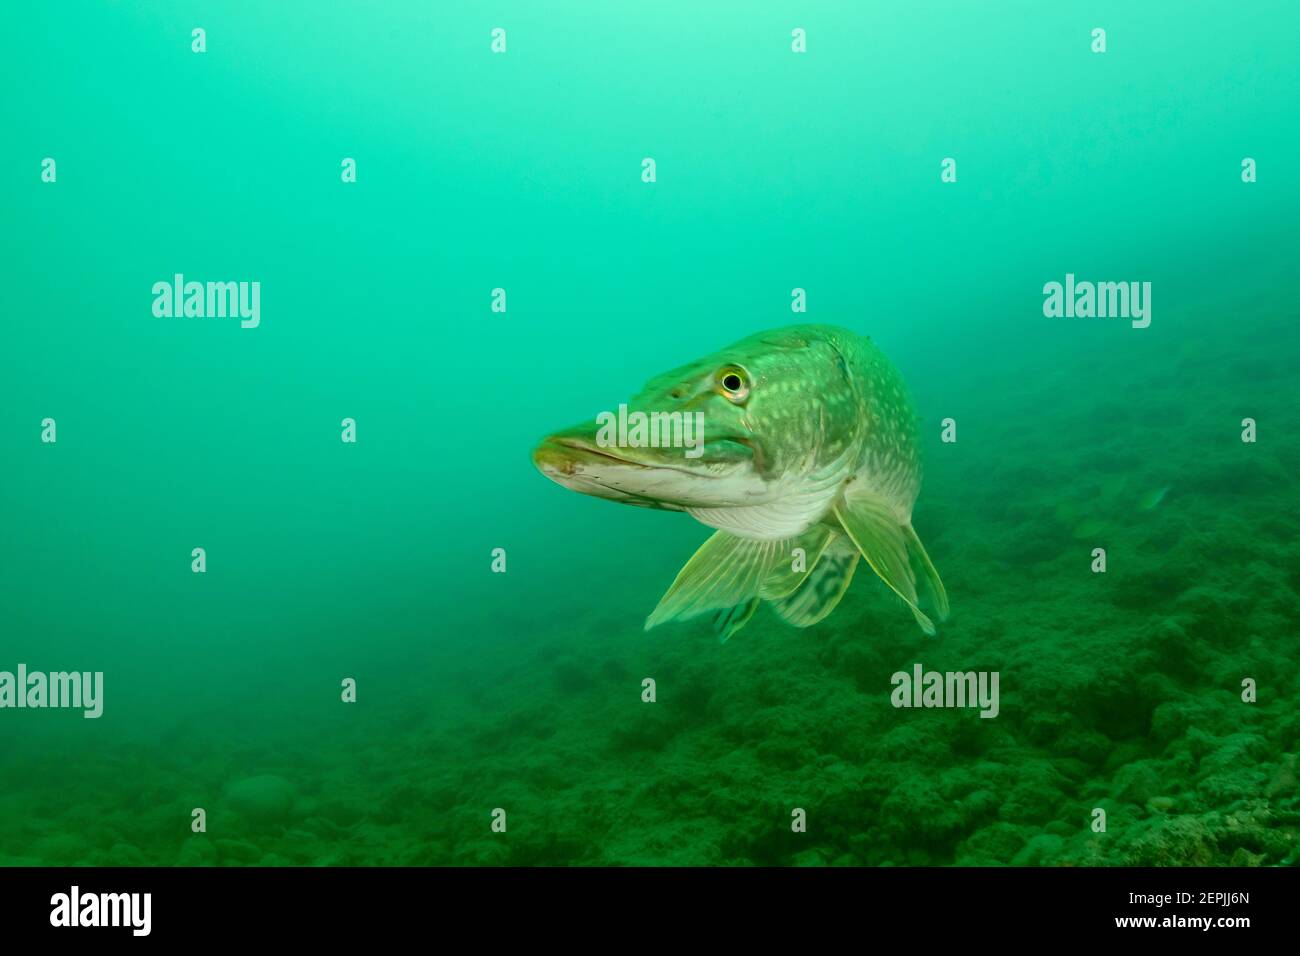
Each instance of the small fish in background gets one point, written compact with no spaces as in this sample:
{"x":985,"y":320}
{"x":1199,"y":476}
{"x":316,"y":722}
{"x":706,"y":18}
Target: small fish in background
{"x":809,"y":443}
{"x":1152,"y":499}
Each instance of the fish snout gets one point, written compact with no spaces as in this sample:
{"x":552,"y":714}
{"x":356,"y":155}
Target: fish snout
{"x":565,"y":452}
{"x":553,"y":457}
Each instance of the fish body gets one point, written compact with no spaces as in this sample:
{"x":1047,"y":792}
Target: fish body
{"x":804,"y":458}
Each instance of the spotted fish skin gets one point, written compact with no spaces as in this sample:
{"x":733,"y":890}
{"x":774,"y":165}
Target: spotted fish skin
{"x":810,"y":448}
{"x":882,"y":434}
{"x":891,"y":462}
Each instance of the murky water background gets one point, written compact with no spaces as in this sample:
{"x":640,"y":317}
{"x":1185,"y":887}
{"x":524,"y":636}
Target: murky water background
{"x":522,"y":171}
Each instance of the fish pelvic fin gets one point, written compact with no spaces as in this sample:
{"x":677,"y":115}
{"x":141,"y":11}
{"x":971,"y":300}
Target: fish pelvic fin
{"x":727,"y":622}
{"x":883,"y":540}
{"x":926,"y":575}
{"x":820,"y":588}
{"x":784,"y":580}
{"x":726,"y":571}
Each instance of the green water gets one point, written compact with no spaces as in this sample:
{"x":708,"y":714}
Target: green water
{"x":775,"y":170}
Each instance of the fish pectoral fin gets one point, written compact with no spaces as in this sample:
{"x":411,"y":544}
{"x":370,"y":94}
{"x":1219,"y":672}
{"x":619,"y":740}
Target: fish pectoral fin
{"x":821,"y":587}
{"x":727,"y":570}
{"x":925,"y":573}
{"x":876,"y":530}
{"x":784,"y":580}
{"x":732,"y":619}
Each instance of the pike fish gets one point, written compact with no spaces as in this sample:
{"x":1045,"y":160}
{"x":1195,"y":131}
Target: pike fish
{"x":809,"y":462}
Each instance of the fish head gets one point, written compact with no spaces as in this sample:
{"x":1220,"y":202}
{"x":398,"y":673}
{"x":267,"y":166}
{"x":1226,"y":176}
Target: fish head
{"x":739,"y":427}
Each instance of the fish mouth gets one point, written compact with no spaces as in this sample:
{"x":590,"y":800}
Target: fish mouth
{"x":577,"y":465}
{"x":590,"y":450}
{"x":565,"y":454}
{"x":654,"y":478}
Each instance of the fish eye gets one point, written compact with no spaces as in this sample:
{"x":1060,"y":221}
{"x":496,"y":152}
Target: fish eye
{"x":734,"y":383}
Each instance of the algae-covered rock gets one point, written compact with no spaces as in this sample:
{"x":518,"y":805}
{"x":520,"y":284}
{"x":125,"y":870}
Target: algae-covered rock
{"x":809,"y":858}
{"x":263,"y":799}
{"x":997,"y":844}
{"x":1176,"y":841}
{"x":1041,"y":850}
{"x":237,"y":852}
{"x":1235,"y":752}
{"x":197,"y":850}
{"x":123,"y":854}
{"x":918,"y":812}
{"x":1035,"y":796}
{"x":1138,"y":782}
